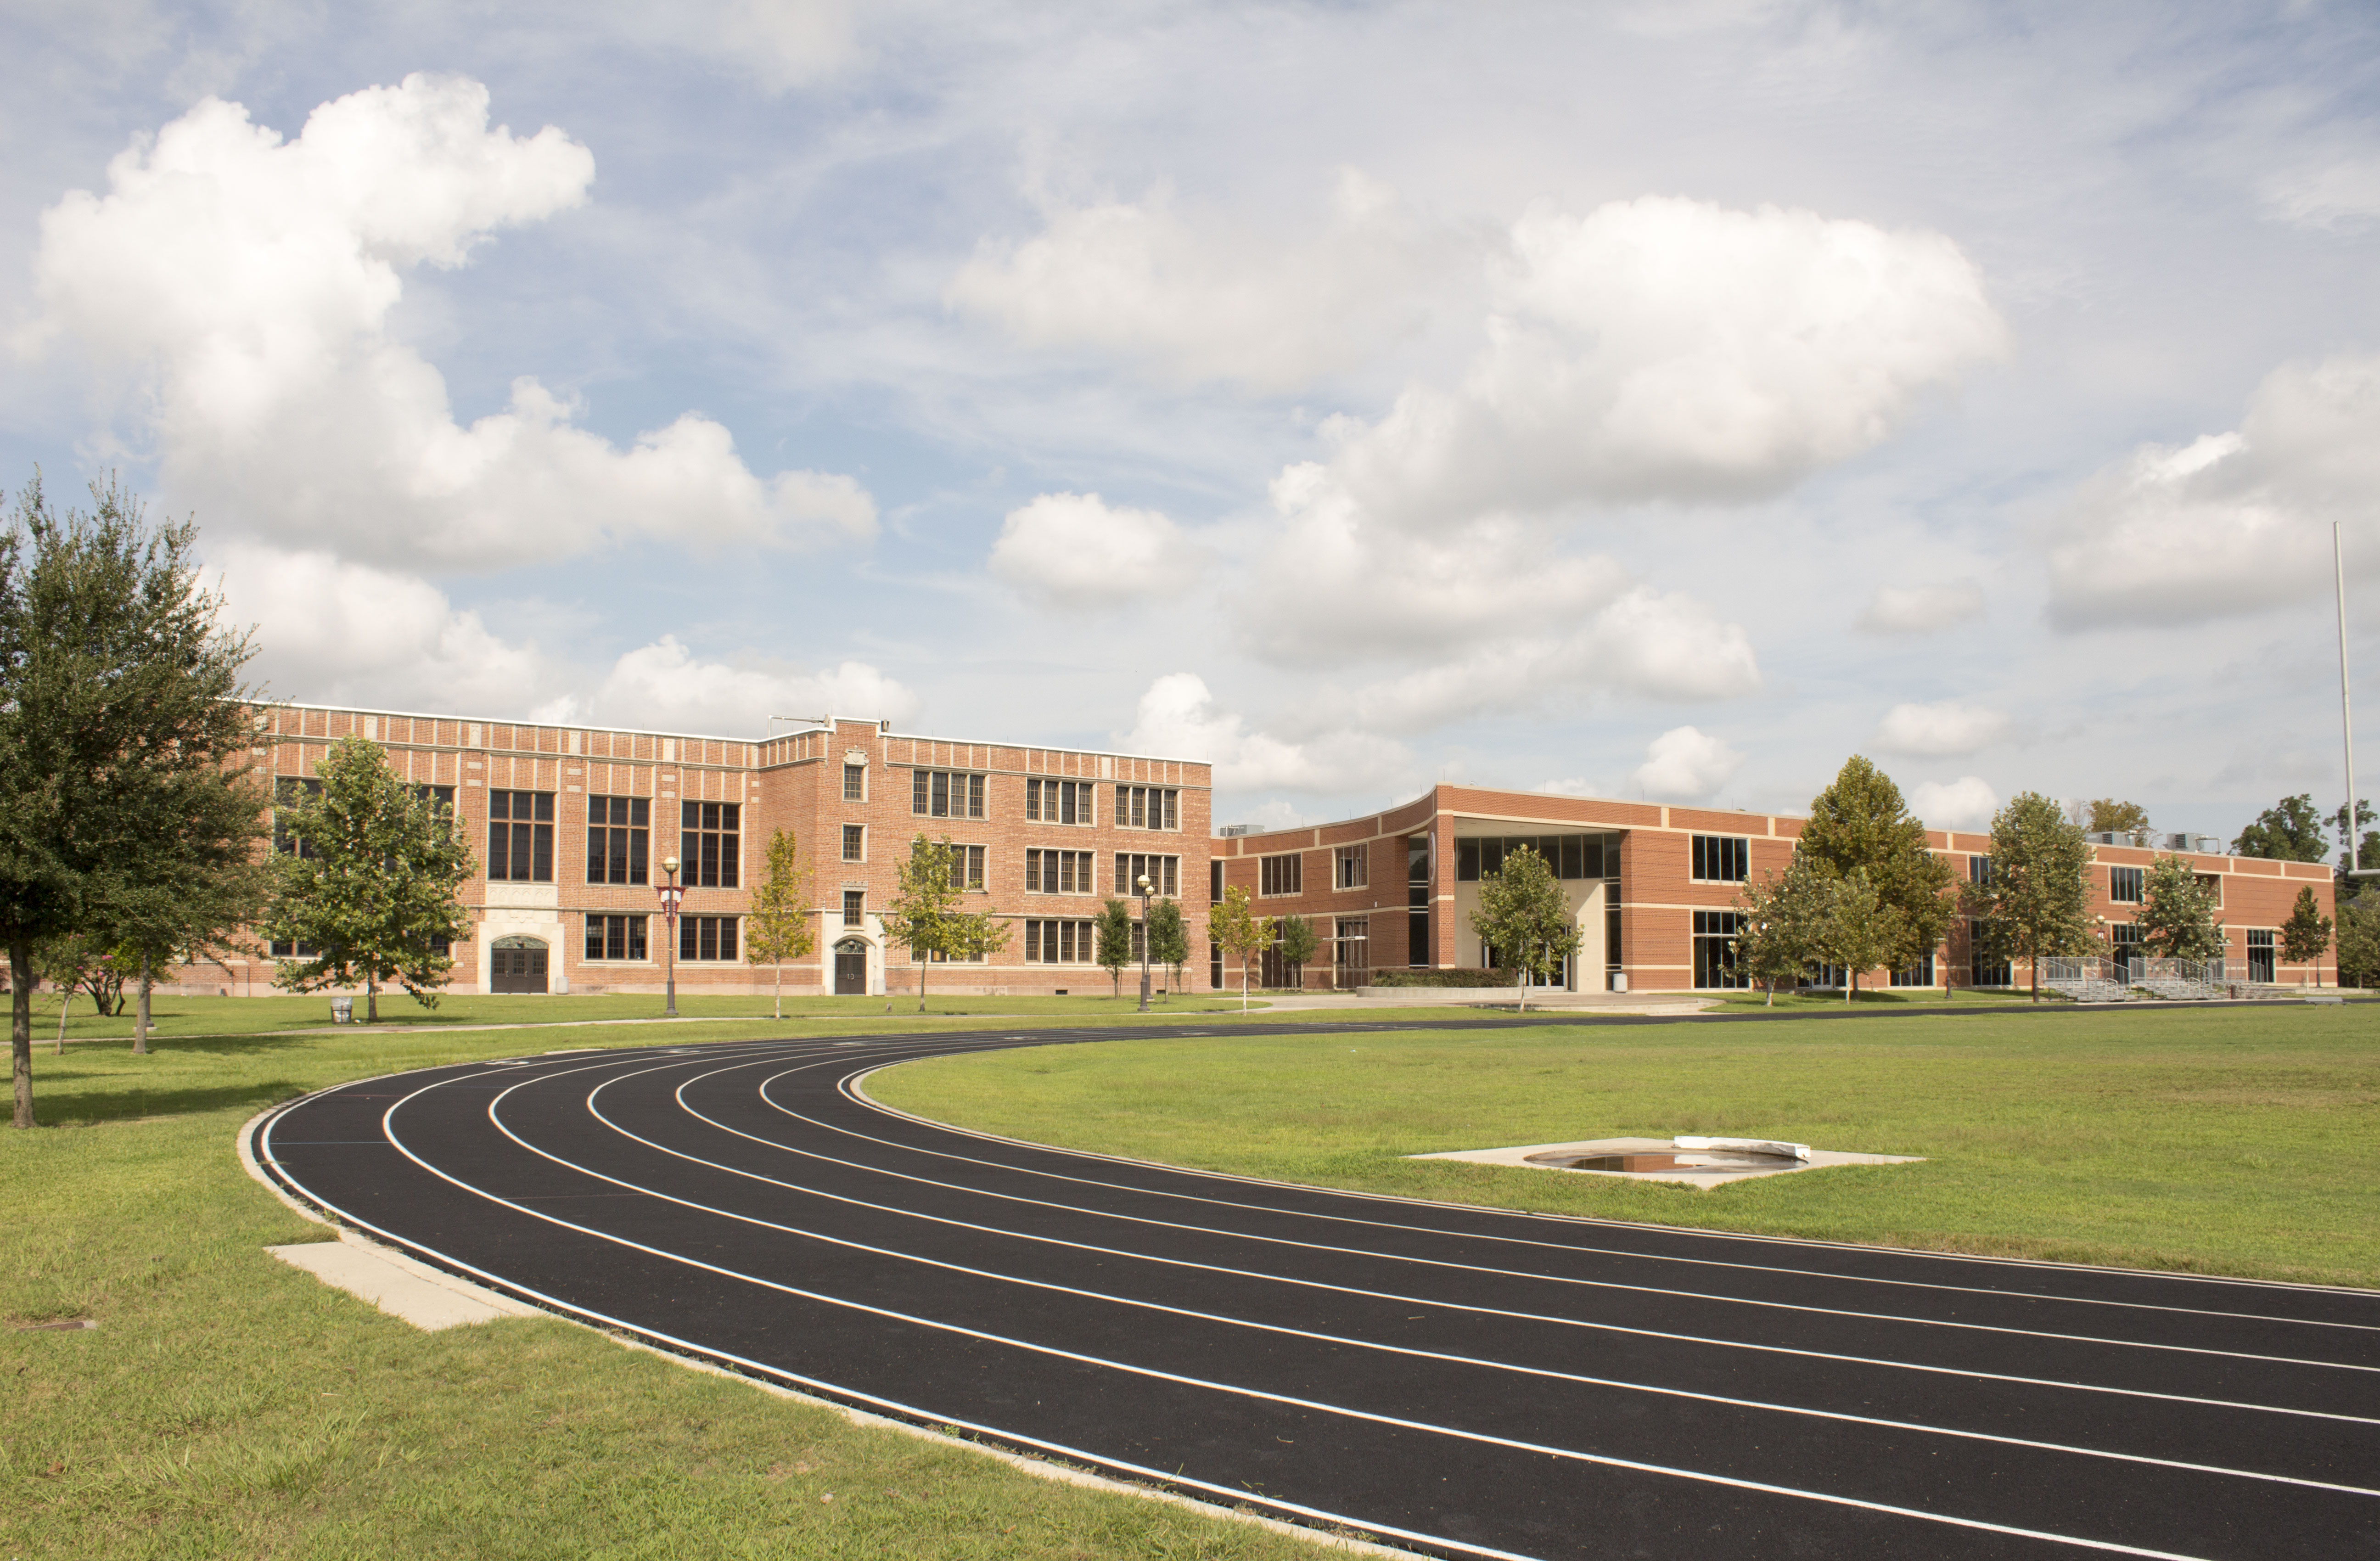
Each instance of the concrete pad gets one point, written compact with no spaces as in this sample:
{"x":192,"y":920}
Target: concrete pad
{"x":1519,"y":1155}
{"x":398,"y":1285}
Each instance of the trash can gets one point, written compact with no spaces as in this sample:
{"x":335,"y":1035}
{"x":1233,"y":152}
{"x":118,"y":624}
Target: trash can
{"x":1620,"y":981}
{"x":342,"y":1010}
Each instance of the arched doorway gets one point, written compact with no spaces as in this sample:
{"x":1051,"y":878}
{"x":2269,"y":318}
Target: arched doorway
{"x":851,"y":968}
{"x":516,"y":964}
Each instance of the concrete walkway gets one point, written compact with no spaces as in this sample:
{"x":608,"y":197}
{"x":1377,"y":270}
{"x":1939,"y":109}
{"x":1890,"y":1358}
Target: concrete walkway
{"x":1585,"y":1004}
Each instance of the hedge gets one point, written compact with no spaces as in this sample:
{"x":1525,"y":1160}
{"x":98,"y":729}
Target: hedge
{"x":1442,"y":978}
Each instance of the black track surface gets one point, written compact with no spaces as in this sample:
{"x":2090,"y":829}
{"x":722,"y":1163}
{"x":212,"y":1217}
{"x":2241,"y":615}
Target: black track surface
{"x":1453,"y":1380}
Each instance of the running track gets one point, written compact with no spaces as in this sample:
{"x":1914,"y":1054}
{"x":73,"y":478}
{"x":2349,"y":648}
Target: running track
{"x":1458,"y":1380}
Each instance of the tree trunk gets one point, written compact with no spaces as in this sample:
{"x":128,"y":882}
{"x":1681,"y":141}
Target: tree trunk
{"x":140,"y":1011}
{"x":20,"y":1025}
{"x":59,"y":1050}
{"x":780,"y":968}
{"x":372,"y":1000}
{"x":921,"y":986}
{"x":1244,"y":983}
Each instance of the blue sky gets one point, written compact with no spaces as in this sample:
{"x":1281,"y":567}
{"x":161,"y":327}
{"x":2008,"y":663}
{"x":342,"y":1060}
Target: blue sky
{"x":1646,"y":400}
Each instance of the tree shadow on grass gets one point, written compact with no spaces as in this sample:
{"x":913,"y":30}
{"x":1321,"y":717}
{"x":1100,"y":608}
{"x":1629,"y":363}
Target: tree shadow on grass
{"x":93,"y":1108}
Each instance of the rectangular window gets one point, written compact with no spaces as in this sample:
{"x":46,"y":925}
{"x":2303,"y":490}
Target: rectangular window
{"x":1417,"y":884}
{"x":439,"y":797}
{"x":1715,"y":949}
{"x":1919,"y":975}
{"x":1147,"y":808}
{"x":1353,"y":953}
{"x":854,"y":783}
{"x":1059,"y":802}
{"x":1214,"y":964}
{"x":1280,"y":875}
{"x":1351,"y":867}
{"x":2124,"y":885}
{"x":855,"y":907}
{"x":1979,"y":871}
{"x":617,"y":830}
{"x":706,"y":937}
{"x":520,"y":837}
{"x":855,"y":843}
{"x":615,"y":938}
{"x":1055,"y":943}
{"x":1568,"y":857}
{"x":286,"y":790}
{"x":1214,"y":883}
{"x":284,"y":950}
{"x":709,"y":842}
{"x":1721,"y":858}
{"x":946,"y":794}
{"x":2210,"y":885}
{"x":2260,"y":954}
{"x":967,"y":866}
{"x":1060,"y":872}
{"x":1983,"y":970}
{"x":1163,"y":875}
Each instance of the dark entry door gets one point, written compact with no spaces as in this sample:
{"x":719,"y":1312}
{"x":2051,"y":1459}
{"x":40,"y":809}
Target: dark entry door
{"x":516,"y":964}
{"x":851,"y":970}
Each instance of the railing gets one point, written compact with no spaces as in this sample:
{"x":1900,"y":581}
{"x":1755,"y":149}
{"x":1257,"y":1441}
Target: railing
{"x":2086,"y":979}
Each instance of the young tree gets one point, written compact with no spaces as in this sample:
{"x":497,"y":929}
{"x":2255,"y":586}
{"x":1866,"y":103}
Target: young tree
{"x":1525,"y":916}
{"x":2037,"y":903}
{"x":374,"y":890}
{"x":2178,"y":916}
{"x":2306,"y":934}
{"x":925,"y":918}
{"x":2289,"y":831}
{"x":1862,"y":931}
{"x":195,"y":906}
{"x":2367,"y":850}
{"x":2358,"y":939}
{"x":777,"y":927}
{"x":1860,"y":823}
{"x":1113,"y":949}
{"x":1168,"y":937}
{"x":2126,"y":819}
{"x":1241,"y":933}
{"x":1784,"y":918}
{"x":122,"y":727}
{"x":1298,"y":942}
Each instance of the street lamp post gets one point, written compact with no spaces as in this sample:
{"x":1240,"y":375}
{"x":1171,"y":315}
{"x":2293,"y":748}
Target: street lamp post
{"x":671,"y":895}
{"x":1143,"y":942}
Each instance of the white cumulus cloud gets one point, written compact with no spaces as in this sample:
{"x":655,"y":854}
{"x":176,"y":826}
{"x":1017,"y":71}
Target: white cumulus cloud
{"x":246,"y":282}
{"x":1685,"y":765}
{"x":1920,"y":609}
{"x":1945,"y":729}
{"x":1178,"y":717}
{"x":1964,"y":803}
{"x":1078,"y":549}
{"x":665,"y":686}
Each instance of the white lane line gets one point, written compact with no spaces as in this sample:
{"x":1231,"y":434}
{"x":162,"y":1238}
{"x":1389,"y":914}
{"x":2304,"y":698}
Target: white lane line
{"x":1398,"y":1422}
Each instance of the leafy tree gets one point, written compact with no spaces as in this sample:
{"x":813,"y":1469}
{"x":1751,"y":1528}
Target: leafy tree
{"x":1168,"y":937}
{"x":1860,"y":824}
{"x":2178,"y":916}
{"x":195,"y":906}
{"x":1115,"y":945}
{"x":2306,"y":934}
{"x":1298,"y":942}
{"x":2289,"y":831}
{"x":1783,"y":917}
{"x":2358,"y":939}
{"x":1525,"y":916}
{"x":2367,"y":850}
{"x":374,"y":892}
{"x":777,"y":927}
{"x":123,"y":729}
{"x":2037,"y":902}
{"x":924,"y":917}
{"x":2126,"y":819}
{"x":1862,"y":931}
{"x":1241,"y":933}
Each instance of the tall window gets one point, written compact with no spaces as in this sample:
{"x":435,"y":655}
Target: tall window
{"x":855,"y":843}
{"x":1059,"y":802}
{"x":1715,"y":949}
{"x":1060,"y":872}
{"x":945,"y":793}
{"x":617,"y":830}
{"x":1057,"y":943}
{"x":287,"y":792}
{"x":1351,"y":867}
{"x":1214,"y":883}
{"x":708,"y":837}
{"x":1147,"y":808}
{"x":1417,"y":881}
{"x":854,"y":783}
{"x":1982,"y":969}
{"x":706,"y":937}
{"x":1721,"y":858}
{"x":1979,"y":870}
{"x":1352,"y":951}
{"x":1280,"y":875}
{"x":1162,"y":874}
{"x":967,"y":866}
{"x":2124,"y":885}
{"x":2260,"y":954}
{"x":615,"y":938}
{"x":520,"y":837}
{"x":855,"y":907}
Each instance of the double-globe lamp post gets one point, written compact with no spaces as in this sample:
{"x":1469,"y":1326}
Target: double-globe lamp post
{"x":671,"y":895}
{"x":1143,"y":942}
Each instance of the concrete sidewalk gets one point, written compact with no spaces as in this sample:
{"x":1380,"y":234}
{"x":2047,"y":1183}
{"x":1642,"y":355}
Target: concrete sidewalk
{"x":1586,"y":1004}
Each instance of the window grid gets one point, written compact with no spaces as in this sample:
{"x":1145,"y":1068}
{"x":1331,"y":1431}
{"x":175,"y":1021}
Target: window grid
{"x":946,"y":794}
{"x":2124,"y":885}
{"x":1280,"y":875}
{"x":1060,"y":872}
{"x":520,"y":837}
{"x":1163,"y":874}
{"x":1715,"y":935}
{"x":709,"y":841}
{"x":1056,"y":943}
{"x":1147,"y":808}
{"x":706,"y":937}
{"x":1059,"y":802}
{"x":967,"y":866}
{"x":1569,"y":856}
{"x":615,"y":938}
{"x":1351,"y":867}
{"x":1721,"y":858}
{"x":285,"y":790}
{"x":855,"y":843}
{"x":854,"y":783}
{"x":618,"y":829}
{"x":855,"y":907}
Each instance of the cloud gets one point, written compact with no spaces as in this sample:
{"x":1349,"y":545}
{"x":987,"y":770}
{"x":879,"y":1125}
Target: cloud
{"x":1178,"y":717}
{"x":2230,"y":523}
{"x":2340,"y":193}
{"x":1075,"y":549}
{"x":1920,"y":609}
{"x":1683,"y":764}
{"x":246,"y":283}
{"x":1964,"y":803}
{"x":664,"y":686}
{"x":1945,"y":729}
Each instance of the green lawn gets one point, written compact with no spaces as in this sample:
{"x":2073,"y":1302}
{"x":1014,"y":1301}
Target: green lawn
{"x":2234,"y":1140}
{"x":230,"y":1404}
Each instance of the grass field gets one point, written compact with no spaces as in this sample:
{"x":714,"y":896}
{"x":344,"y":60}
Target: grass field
{"x":229,"y":1405}
{"x":2234,"y":1141}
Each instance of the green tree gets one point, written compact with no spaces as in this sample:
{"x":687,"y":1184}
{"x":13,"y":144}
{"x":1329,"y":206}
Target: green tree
{"x":373,"y":890}
{"x":777,"y":927}
{"x":2126,"y":819}
{"x":195,"y":906}
{"x":1168,"y":937}
{"x":1241,"y":933}
{"x":1861,"y":932}
{"x":2358,"y":939}
{"x":1783,"y":919}
{"x":2035,"y":904}
{"x":1114,"y":945}
{"x":1860,"y":824}
{"x":1525,"y":916}
{"x":123,"y":728}
{"x":924,"y":917}
{"x":2289,"y":831}
{"x":1298,"y":942}
{"x":2306,"y":934}
{"x":2367,"y":850}
{"x":2178,"y":916}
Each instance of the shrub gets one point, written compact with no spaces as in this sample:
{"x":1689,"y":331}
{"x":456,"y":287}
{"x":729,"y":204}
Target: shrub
{"x":1442,"y":978}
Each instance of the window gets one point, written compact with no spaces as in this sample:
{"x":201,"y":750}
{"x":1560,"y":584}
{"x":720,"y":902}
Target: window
{"x":1417,"y":882}
{"x":520,"y":837}
{"x":1147,"y":808}
{"x":855,"y":907}
{"x":1060,"y":872}
{"x":284,"y":950}
{"x":707,"y":843}
{"x":1721,"y":858}
{"x":2211,"y":886}
{"x":1280,"y":875}
{"x":706,"y":937}
{"x":936,"y":956}
{"x":1979,"y":870}
{"x":439,"y":797}
{"x":1214,"y":964}
{"x":617,"y":828}
{"x":2124,"y":943}
{"x":1214,"y":883}
{"x":285,"y":792}
{"x":1715,"y":944}
{"x":967,"y":866}
{"x":855,"y":843}
{"x":2260,"y":954}
{"x":1353,"y":952}
{"x":1982,"y":969}
{"x":1161,"y":871}
{"x":854,"y":783}
{"x":1350,"y":867}
{"x":1058,"y":802}
{"x":615,"y":938}
{"x":1569,"y":856}
{"x":1058,"y":943}
{"x":1919,"y":975}
{"x":2124,"y":885}
{"x":945,"y":793}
